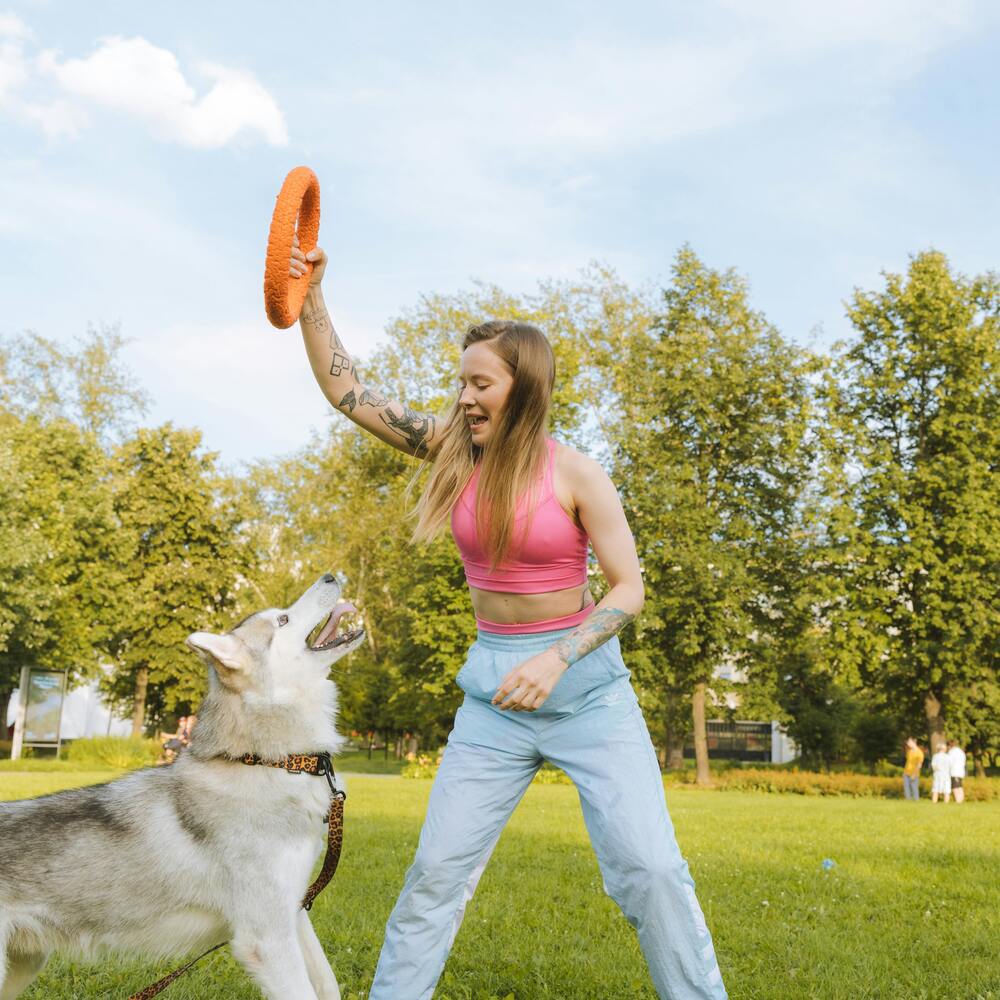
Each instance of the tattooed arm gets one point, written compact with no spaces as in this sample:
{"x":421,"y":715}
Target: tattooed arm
{"x":337,"y":375}
{"x":600,"y":512}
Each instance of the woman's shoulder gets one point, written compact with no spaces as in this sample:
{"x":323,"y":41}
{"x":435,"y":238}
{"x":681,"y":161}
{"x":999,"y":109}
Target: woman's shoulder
{"x":575,"y":468}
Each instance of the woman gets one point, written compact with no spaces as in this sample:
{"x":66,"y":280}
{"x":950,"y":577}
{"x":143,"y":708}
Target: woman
{"x":941,"y":769}
{"x":544,"y":680}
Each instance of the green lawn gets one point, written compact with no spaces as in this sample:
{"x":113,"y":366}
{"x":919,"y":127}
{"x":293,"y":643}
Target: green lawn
{"x":910,"y":912}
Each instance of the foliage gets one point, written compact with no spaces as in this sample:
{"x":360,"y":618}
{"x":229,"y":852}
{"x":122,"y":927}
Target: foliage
{"x":911,"y":435}
{"x":58,"y":547}
{"x":186,"y":555}
{"x":711,"y":456}
{"x":825,"y":783}
{"x":113,"y":752}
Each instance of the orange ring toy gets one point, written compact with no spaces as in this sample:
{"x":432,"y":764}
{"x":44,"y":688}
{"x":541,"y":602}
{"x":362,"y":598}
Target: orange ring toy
{"x":298,"y":203}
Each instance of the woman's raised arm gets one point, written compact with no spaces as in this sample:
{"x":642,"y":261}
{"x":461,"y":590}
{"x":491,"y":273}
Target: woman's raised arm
{"x":390,"y":421}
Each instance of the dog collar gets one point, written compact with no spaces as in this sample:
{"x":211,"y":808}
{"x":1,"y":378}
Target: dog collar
{"x":319,"y":764}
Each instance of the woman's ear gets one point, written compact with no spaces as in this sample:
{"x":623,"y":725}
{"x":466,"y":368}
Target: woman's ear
{"x":226,"y":655}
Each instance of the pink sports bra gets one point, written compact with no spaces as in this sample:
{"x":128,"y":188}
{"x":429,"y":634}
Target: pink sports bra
{"x":552,"y":556}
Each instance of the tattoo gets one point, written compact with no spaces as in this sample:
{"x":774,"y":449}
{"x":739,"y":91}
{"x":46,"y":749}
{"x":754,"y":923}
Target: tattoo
{"x":349,"y":401}
{"x":594,"y":632}
{"x":369,"y":398}
{"x":319,"y":319}
{"x":414,"y":427}
{"x":341,"y":359}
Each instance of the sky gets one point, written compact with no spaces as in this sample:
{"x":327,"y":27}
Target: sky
{"x":810,"y":145}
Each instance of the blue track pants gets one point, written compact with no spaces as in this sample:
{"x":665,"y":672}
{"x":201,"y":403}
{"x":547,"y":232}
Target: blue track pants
{"x":591,"y":727}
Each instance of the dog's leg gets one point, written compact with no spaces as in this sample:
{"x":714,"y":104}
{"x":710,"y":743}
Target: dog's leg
{"x":20,"y":973}
{"x":273,"y":957}
{"x":320,"y":973}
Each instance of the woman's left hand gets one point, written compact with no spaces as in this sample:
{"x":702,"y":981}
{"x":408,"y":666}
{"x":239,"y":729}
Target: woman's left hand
{"x":527,"y":686}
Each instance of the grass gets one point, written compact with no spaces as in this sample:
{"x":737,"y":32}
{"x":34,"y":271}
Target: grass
{"x":909,"y":912}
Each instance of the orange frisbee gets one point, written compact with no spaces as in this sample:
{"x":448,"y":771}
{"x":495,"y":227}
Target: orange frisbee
{"x":297,"y":204}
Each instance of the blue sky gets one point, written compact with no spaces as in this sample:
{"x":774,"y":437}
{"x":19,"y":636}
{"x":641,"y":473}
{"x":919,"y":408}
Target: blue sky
{"x":808,"y":144}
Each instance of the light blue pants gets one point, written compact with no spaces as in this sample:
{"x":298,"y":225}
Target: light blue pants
{"x":911,"y":786}
{"x":591,"y":727}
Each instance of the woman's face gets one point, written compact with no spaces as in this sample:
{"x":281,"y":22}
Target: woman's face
{"x":485,"y":382}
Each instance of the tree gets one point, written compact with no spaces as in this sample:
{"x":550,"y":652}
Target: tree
{"x":85,"y":383}
{"x":712,"y":460}
{"x":186,"y":554}
{"x":912,"y":430}
{"x":58,"y":548}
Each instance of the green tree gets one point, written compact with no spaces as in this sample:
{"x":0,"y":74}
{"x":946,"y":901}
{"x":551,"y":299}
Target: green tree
{"x":911,"y":432}
{"x":712,"y":459}
{"x":84,"y":382}
{"x":187,"y":552}
{"x":58,"y":548}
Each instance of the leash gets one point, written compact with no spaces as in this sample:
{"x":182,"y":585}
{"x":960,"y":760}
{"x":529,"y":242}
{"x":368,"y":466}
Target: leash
{"x":318,"y":764}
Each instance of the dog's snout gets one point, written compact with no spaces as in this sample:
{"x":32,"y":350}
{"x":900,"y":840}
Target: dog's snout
{"x":329,"y":578}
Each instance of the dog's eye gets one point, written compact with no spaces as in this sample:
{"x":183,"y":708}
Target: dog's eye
{"x":282,"y":620}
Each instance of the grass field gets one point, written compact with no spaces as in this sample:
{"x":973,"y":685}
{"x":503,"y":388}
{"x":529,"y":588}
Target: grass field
{"x":911,"y":910}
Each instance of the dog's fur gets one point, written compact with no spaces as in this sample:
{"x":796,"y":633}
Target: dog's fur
{"x":172,"y":860}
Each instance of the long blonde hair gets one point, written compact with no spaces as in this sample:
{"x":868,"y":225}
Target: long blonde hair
{"x":516,"y":451}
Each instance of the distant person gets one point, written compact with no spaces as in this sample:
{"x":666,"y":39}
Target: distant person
{"x":941,"y":767}
{"x":173,"y":743}
{"x":957,"y":757}
{"x":911,"y":770}
{"x":186,"y":728}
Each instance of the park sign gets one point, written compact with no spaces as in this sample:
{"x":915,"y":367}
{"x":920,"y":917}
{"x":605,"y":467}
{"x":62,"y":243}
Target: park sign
{"x":39,"y":714}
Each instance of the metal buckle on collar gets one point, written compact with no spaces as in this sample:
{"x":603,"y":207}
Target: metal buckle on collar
{"x":325,"y":768}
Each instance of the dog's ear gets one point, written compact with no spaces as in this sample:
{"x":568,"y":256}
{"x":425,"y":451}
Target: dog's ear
{"x":226,"y":654}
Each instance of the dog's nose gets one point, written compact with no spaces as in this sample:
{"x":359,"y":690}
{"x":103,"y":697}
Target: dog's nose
{"x":329,"y":578}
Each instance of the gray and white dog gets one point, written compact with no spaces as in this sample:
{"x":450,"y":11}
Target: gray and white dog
{"x":172,"y":860}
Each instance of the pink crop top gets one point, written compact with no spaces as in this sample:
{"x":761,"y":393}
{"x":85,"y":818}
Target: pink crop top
{"x":553,"y":555}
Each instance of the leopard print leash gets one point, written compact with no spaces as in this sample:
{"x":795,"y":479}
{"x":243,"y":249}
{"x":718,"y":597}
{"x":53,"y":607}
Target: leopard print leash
{"x":318,"y":764}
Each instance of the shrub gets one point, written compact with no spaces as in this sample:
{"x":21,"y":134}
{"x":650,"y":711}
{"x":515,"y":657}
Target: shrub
{"x":815,"y":783}
{"x":114,"y":752}
{"x":420,"y":766}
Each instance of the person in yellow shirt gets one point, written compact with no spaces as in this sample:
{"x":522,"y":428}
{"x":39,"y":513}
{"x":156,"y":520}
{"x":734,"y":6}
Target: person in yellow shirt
{"x":911,"y":772}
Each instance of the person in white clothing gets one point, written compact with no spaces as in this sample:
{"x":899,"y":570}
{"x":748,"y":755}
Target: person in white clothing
{"x":941,"y":768}
{"x":956,"y":755}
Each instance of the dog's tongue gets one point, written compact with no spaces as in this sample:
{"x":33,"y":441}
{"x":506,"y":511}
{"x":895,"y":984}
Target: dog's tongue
{"x":330,"y":629}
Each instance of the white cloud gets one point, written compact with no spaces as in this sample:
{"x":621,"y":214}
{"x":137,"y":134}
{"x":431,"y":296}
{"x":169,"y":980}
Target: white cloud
{"x":142,"y":81}
{"x":11,"y":26}
{"x":137,"y":78}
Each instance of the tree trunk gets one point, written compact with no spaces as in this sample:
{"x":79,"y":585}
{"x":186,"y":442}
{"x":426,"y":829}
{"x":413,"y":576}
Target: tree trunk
{"x":935,"y":720}
{"x":978,"y":766}
{"x":704,"y":775}
{"x":674,"y":750}
{"x":139,"y":701}
{"x":4,"y":705}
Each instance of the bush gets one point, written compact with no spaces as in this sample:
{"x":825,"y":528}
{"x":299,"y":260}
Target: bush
{"x":113,"y":752}
{"x":815,"y":783}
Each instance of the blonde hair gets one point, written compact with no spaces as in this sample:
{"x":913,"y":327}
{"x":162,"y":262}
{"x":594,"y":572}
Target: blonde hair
{"x":516,"y":450}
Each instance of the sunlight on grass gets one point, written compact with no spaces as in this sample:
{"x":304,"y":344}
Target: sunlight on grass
{"x":907,"y":910}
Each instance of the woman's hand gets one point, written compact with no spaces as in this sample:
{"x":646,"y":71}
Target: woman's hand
{"x":526,"y":687}
{"x":297,"y":265}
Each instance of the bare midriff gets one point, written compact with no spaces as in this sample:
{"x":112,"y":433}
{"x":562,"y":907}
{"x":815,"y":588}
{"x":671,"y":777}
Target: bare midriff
{"x":522,"y":609}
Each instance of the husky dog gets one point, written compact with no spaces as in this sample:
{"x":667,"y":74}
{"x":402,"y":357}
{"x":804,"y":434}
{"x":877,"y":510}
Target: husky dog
{"x":172,"y":860}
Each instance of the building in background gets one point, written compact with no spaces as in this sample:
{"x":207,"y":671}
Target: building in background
{"x":84,"y":713}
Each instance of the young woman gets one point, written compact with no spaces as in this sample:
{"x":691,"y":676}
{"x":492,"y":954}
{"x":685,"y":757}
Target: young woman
{"x":544,"y":680}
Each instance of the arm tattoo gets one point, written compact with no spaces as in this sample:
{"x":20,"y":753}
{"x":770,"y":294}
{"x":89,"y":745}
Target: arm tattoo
{"x":349,"y":401}
{"x":414,"y":427}
{"x":341,"y":359}
{"x":319,"y":319}
{"x":595,"y":631}
{"x":369,"y":398}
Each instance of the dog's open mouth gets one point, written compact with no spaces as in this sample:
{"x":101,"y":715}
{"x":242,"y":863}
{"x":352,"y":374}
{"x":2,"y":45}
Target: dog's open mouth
{"x":326,"y":636}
